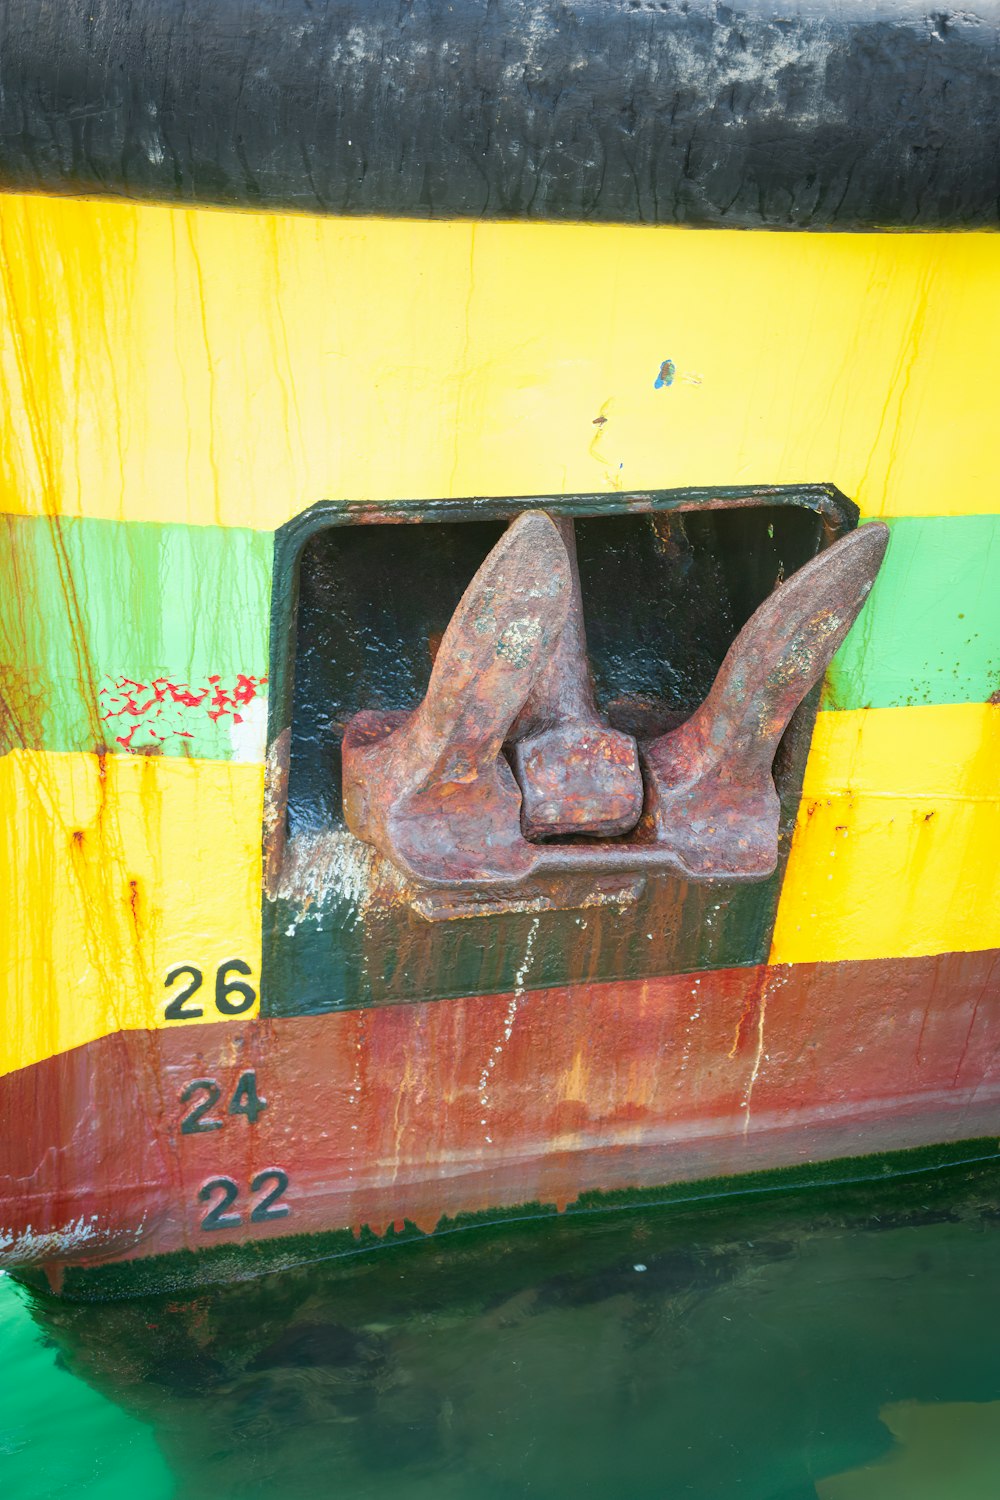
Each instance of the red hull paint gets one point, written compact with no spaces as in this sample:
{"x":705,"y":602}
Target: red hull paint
{"x":462,"y":1106}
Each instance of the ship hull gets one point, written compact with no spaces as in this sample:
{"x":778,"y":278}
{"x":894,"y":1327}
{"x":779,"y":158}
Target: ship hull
{"x":392,"y":1120}
{"x":251,"y":462}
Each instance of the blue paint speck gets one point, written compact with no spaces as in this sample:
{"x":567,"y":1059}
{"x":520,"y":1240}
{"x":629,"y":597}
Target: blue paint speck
{"x":666,"y":376}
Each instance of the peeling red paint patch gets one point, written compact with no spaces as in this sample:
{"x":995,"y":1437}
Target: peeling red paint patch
{"x":149,"y":714}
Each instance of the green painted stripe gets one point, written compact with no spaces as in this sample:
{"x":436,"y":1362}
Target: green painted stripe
{"x":108,"y":627}
{"x":89,"y":606}
{"x":930,"y":633}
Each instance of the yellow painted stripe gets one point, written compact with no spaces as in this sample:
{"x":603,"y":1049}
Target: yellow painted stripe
{"x":896,"y":850}
{"x":112,"y":874}
{"x":232,"y":369}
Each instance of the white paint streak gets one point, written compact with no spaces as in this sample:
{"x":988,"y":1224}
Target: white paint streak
{"x":81,"y":1236}
{"x":760,"y":1055}
{"x":748,"y":1100}
{"x":249,"y":738}
{"x":520,"y":979}
{"x":321,"y":870}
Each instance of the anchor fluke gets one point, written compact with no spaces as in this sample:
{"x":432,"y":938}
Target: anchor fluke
{"x":710,"y":796}
{"x":431,"y":788}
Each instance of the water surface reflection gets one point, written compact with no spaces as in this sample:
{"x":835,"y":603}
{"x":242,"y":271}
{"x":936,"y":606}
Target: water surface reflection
{"x":767,"y":1349}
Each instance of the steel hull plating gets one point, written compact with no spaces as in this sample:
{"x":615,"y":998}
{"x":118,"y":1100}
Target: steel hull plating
{"x":219,"y":1036}
{"x":397,"y":1116}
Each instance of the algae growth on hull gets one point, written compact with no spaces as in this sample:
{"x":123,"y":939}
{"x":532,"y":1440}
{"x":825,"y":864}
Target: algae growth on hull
{"x":826,"y":1345}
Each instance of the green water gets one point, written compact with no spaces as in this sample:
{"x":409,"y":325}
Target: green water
{"x":840,"y":1344}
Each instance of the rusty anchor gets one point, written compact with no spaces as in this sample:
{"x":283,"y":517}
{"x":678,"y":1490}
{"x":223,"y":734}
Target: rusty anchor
{"x":435,"y":793}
